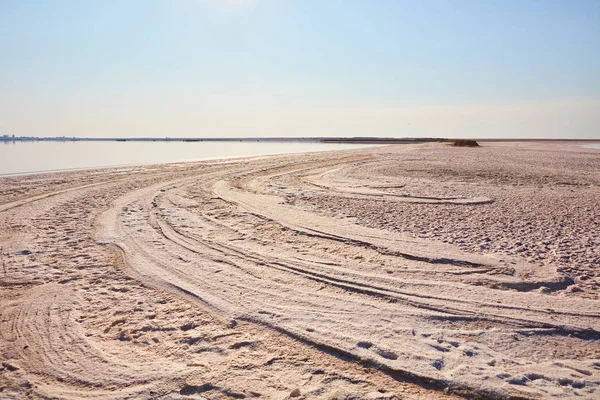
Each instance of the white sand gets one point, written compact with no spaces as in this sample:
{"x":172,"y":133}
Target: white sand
{"x":393,"y":271}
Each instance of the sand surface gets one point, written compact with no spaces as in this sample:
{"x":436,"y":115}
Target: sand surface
{"x":408,"y":271}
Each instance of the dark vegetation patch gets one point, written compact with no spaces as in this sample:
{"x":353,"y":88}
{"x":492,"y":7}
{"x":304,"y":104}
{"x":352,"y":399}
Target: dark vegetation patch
{"x":465,"y":143}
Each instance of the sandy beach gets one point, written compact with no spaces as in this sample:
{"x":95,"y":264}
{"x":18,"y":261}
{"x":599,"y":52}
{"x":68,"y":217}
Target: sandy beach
{"x":410,"y":271}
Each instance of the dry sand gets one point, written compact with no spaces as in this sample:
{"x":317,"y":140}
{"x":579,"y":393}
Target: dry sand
{"x":409,"y":271}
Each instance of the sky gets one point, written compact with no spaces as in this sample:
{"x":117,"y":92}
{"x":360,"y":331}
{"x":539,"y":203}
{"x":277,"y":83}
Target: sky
{"x":238,"y":68}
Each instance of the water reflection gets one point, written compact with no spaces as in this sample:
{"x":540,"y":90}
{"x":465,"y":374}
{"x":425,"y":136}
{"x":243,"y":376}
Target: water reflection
{"x":27,"y":157}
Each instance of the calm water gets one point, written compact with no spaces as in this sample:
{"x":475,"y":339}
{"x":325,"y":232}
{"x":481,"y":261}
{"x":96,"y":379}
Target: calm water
{"x":27,"y":157}
{"x":592,"y":146}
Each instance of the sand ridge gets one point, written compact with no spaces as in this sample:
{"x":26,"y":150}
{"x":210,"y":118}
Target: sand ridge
{"x":259,"y":277}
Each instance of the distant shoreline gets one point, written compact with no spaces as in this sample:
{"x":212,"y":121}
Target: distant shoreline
{"x":356,"y":140}
{"x":203,"y":139}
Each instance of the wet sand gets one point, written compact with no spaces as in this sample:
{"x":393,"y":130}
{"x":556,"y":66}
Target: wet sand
{"x":408,"y":271}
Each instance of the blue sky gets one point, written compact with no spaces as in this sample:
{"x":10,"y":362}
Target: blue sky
{"x":451,"y":68}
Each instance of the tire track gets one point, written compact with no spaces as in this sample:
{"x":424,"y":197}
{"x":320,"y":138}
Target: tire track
{"x":252,"y":256}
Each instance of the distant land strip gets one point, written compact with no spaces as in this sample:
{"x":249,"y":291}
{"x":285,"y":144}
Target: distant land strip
{"x":357,"y":140}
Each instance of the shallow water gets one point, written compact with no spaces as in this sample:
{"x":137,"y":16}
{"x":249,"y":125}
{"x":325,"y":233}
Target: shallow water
{"x":592,"y":146}
{"x":28,"y":157}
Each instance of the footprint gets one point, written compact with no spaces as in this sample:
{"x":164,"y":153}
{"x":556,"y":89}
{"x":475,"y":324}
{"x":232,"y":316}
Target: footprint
{"x":390,"y":355}
{"x":438,"y":364}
